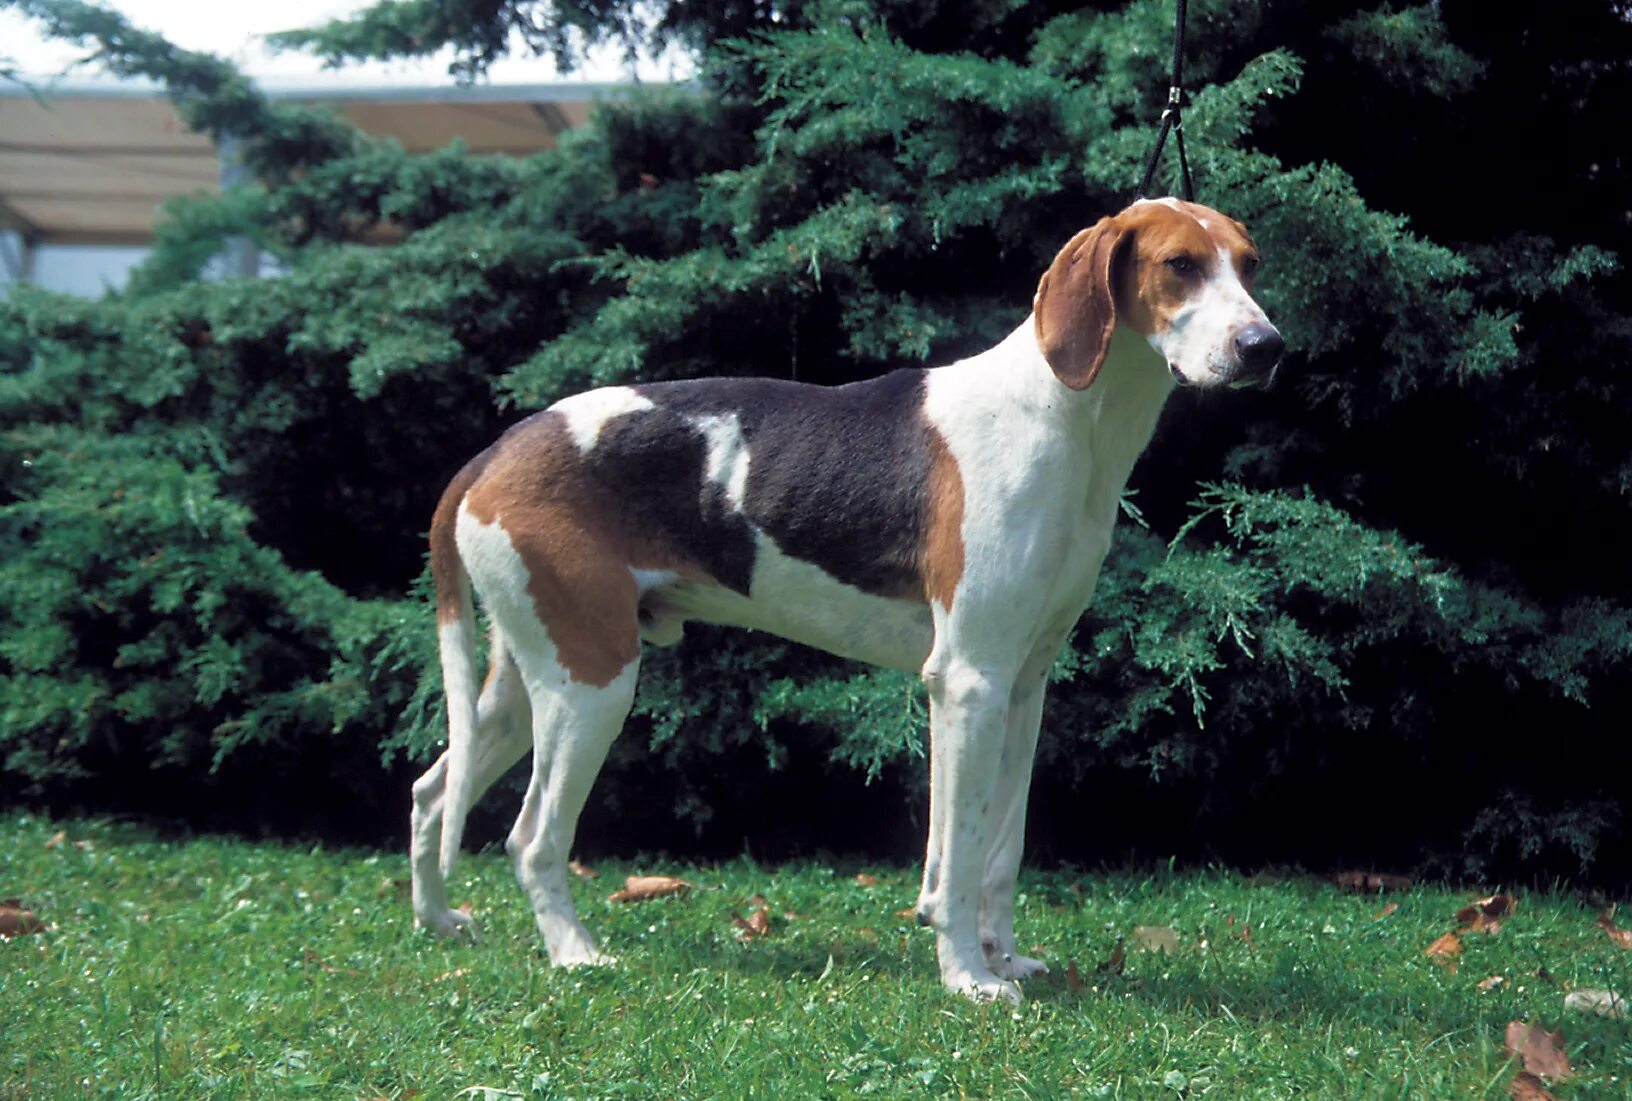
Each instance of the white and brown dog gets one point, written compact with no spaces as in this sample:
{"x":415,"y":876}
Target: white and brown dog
{"x":951,"y":521}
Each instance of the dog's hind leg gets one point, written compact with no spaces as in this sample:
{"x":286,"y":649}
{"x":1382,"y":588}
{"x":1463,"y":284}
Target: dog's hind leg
{"x":503,"y":735}
{"x":574,"y":725}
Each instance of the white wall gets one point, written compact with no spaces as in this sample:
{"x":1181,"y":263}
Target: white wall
{"x":75,"y":269}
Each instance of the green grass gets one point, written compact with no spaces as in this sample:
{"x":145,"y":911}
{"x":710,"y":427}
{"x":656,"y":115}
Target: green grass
{"x":223,"y":969}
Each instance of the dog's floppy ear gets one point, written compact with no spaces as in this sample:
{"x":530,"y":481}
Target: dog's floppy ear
{"x":1075,"y":308}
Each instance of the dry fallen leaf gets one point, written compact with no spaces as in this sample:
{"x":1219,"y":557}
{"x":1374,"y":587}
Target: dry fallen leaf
{"x":866,"y":879}
{"x":640,"y":888}
{"x":1116,"y":962}
{"x":909,"y":914}
{"x":16,"y":921}
{"x":757,"y":925}
{"x":1385,"y":911}
{"x":1485,"y":915}
{"x":1073,"y":981}
{"x":1527,"y":1087}
{"x":456,"y":973}
{"x":1621,"y":937}
{"x":1156,"y":938}
{"x":56,"y":839}
{"x":1371,"y":882}
{"x":1542,"y":1052}
{"x":1445,"y":950}
{"x":1604,"y":1003}
{"x":1491,"y":983}
{"x":582,"y":870}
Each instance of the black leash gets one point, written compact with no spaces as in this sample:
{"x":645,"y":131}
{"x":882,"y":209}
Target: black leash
{"x":1172,"y":119}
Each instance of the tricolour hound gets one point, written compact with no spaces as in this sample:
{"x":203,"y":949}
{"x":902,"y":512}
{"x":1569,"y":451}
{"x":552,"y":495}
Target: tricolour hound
{"x":950,"y":521}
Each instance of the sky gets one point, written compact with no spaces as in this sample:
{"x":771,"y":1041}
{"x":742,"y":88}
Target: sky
{"x":234,"y":29}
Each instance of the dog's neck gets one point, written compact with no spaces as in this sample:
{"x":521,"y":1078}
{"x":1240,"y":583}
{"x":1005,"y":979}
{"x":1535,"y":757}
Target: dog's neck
{"x":1090,"y":436}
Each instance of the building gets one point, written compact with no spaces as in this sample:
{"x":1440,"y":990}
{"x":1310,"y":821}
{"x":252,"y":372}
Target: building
{"x":85,"y":166}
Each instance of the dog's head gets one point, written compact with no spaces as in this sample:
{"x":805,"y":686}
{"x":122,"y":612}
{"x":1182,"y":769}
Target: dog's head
{"x":1181,"y":275}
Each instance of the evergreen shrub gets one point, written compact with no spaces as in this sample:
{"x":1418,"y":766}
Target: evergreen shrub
{"x":1380,"y":615}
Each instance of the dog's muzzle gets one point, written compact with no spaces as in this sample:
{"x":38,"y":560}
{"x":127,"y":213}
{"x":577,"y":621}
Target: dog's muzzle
{"x":1258,"y":348}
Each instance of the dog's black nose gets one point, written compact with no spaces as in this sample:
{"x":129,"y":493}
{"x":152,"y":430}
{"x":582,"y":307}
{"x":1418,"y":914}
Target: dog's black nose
{"x":1259,"y":347}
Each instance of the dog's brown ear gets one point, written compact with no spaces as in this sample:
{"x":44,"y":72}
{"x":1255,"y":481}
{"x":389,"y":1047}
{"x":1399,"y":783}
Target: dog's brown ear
{"x":1075,"y":308}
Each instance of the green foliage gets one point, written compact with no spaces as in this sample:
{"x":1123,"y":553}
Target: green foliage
{"x":1385,"y":577}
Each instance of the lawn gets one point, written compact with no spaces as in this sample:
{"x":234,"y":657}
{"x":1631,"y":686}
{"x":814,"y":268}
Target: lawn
{"x":218,"y":968}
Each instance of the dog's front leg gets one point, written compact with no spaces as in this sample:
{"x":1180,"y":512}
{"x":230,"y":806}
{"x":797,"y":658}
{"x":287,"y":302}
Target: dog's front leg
{"x":1014,"y":770}
{"x":968,"y":726}
{"x":997,"y":939}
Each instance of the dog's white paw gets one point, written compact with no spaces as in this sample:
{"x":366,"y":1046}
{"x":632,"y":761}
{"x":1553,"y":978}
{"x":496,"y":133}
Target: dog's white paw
{"x":449,"y":925}
{"x":982,"y":986}
{"x":1014,"y":966}
{"x":592,"y":959}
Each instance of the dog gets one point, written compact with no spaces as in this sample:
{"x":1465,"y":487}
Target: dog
{"x":950,"y":521}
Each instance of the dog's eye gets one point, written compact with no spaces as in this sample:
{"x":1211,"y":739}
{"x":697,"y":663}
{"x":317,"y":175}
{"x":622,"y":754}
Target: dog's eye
{"x":1183,"y":265}
{"x":1249,"y":266}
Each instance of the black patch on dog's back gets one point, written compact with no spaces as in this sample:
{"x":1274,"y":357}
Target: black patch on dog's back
{"x":654,"y":467}
{"x":836,"y":475}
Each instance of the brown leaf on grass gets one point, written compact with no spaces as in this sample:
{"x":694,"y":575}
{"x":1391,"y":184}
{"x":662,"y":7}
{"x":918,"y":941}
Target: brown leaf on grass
{"x":641,"y":888}
{"x":16,"y":921}
{"x":1372,"y":882}
{"x":1542,"y":1052}
{"x":1491,"y":983}
{"x":1156,"y":938}
{"x":757,"y":925}
{"x":456,"y":973}
{"x":1385,"y":911}
{"x":582,"y":870}
{"x":1445,"y":950}
{"x":467,"y":908}
{"x":1116,"y":962}
{"x":1073,"y":981}
{"x":56,"y":839}
{"x":866,"y":879}
{"x":1246,"y":937}
{"x":909,"y":914}
{"x":1485,"y":915}
{"x":1622,"y":938}
{"x":1527,"y":1087}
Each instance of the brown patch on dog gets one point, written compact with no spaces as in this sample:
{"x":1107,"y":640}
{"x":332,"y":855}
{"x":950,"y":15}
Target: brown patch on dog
{"x":447,"y":572}
{"x":1153,"y":291}
{"x":942,"y":564}
{"x":578,"y":551}
{"x":1076,"y":306}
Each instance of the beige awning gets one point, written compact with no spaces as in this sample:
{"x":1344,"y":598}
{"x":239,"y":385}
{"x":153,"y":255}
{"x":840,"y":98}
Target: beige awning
{"x":90,"y":164}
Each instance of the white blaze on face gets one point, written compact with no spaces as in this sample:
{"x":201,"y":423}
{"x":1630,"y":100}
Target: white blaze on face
{"x":587,"y":413}
{"x":1199,"y":339}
